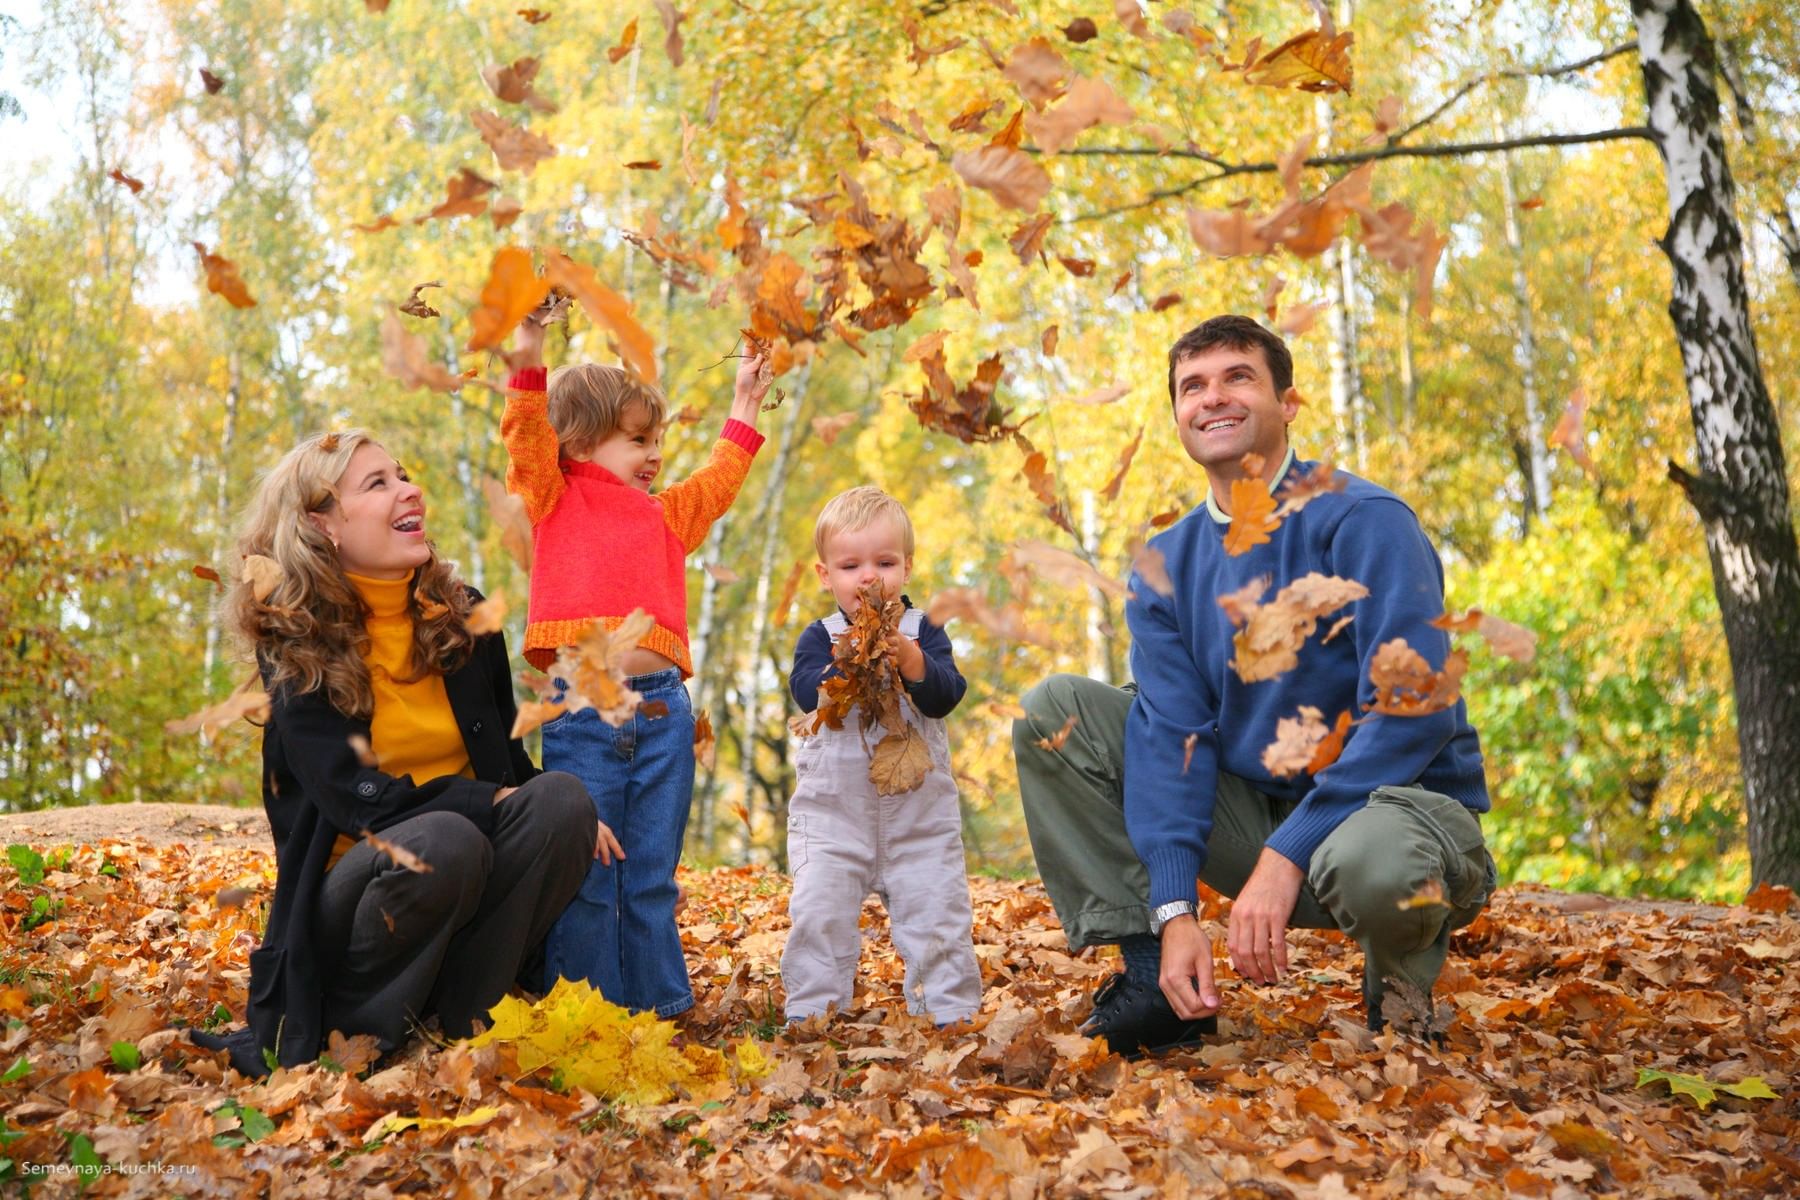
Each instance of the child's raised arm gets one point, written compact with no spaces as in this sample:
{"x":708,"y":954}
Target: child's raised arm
{"x":748,"y":389}
{"x":532,"y":469}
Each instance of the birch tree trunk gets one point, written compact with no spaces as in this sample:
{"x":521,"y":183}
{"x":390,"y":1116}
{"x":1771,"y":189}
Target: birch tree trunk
{"x":1537,"y":451}
{"x":1740,"y":489}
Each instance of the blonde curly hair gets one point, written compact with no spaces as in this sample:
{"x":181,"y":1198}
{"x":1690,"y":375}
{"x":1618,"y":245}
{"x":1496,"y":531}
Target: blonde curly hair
{"x":309,"y":631}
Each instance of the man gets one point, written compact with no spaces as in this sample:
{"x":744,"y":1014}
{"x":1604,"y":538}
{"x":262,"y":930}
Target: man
{"x":1158,"y":785}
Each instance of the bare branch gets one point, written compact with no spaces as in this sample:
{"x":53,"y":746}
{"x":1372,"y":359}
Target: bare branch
{"x":1549,"y":72}
{"x":1352,"y":158}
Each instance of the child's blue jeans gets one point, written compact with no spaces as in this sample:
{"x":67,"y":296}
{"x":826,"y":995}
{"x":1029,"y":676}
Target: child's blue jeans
{"x":619,"y":932}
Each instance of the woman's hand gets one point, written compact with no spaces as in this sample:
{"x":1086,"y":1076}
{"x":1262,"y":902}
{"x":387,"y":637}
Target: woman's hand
{"x":606,"y":847}
{"x":503,"y":793}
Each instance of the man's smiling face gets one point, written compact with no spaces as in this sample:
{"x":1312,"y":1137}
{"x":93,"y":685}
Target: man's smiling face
{"x":1226,"y":407}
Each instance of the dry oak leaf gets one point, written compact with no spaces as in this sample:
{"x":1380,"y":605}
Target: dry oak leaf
{"x":1502,"y":636}
{"x":513,"y":84}
{"x":1302,"y":490}
{"x":415,"y":305}
{"x":489,"y":616}
{"x":1769,"y":898}
{"x":705,"y":745}
{"x":463,"y":194}
{"x":1010,"y":176}
{"x":1300,"y":317}
{"x":627,"y":42}
{"x":829,"y":428}
{"x":899,"y":762}
{"x":671,"y":19}
{"x":1295,"y":740}
{"x":1228,"y":234}
{"x":1090,"y":102}
{"x":594,"y":668}
{"x":430,"y":609}
{"x":1314,"y":61}
{"x":1184,"y":24}
{"x":1081,"y":268}
{"x":1051,"y":335}
{"x":1405,"y":684}
{"x":364,"y":751}
{"x":402,"y":857}
{"x":533,"y":713}
{"x":515,"y":147}
{"x":222,"y":279}
{"x":609,"y":309}
{"x":119,"y":176}
{"x":932,"y":343}
{"x":1149,"y":565}
{"x":262,"y":573}
{"x":644,"y":164}
{"x":1042,"y":482}
{"x":202,"y":571}
{"x":404,"y":356}
{"x":1056,"y":740}
{"x":1253,"y":516}
{"x":1027,"y":241}
{"x":1058,"y":566}
{"x":1268,"y":641}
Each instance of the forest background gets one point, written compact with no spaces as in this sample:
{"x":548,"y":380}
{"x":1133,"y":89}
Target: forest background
{"x":1523,"y":390}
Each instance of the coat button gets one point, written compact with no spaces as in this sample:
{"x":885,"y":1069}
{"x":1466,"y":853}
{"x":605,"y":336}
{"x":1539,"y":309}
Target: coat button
{"x":475,"y":728}
{"x":365,"y":789}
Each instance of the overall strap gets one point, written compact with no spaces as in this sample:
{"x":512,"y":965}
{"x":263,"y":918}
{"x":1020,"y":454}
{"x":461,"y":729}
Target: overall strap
{"x":835,"y":625}
{"x":910,"y":620}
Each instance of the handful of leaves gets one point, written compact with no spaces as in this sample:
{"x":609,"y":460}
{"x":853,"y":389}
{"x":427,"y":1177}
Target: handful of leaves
{"x":868,"y":683}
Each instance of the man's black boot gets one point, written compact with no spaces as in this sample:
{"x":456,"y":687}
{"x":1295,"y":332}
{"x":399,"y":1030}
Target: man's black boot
{"x":1134,"y":1017}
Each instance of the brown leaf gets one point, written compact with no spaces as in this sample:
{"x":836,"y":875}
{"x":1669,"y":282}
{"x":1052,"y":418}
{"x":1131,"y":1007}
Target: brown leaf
{"x":1503,"y":637}
{"x":1080,"y":30}
{"x":1187,"y":751}
{"x":1090,"y":102}
{"x":1007,"y":622}
{"x":1042,"y":481}
{"x":1081,"y":268}
{"x":705,"y":746}
{"x":671,"y":19}
{"x":1060,"y":567}
{"x":405,"y":357}
{"x":222,"y":279}
{"x":829,"y":428}
{"x":627,"y":42}
{"x":489,"y":616}
{"x":463,"y":194}
{"x":1049,"y":339}
{"x":1228,"y":234}
{"x":1769,"y":898}
{"x":789,"y":587}
{"x":1131,"y":16}
{"x":535,"y":16}
{"x":1110,"y":492}
{"x":594,"y":668}
{"x":119,"y":176}
{"x":1037,"y":70}
{"x":212,"y":83}
{"x":926,"y":346}
{"x":608,"y":309}
{"x":247,"y":703}
{"x":1405,"y":684}
{"x":1300,"y":317}
{"x":899,"y":762}
{"x":415,"y":305}
{"x":1331,"y":745}
{"x":1295,"y":740}
{"x":722,"y":573}
{"x":1027,"y":241}
{"x":1165,"y":301}
{"x":533,"y":713}
{"x":430,"y":609}
{"x":1010,"y":176}
{"x":1569,"y":434}
{"x":1056,"y":740}
{"x":262,"y":573}
{"x":515,"y":147}
{"x":365,"y":753}
{"x":513,"y":84}
{"x":1098,"y":396}
{"x":1269,"y":640}
{"x":202,"y":571}
{"x":1314,"y":61}
{"x":1302,"y":490}
{"x":1253,"y":516}
{"x":1147,"y":561}
{"x":644,"y":164}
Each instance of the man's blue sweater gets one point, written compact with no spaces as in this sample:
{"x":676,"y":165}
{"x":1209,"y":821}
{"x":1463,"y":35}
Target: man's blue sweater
{"x":1181,"y":653}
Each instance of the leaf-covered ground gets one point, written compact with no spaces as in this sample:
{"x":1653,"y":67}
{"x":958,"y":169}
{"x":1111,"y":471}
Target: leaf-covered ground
{"x":1536,"y":1091}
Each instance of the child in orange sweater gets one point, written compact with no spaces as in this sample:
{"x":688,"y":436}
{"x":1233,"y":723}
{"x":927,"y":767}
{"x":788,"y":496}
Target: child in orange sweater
{"x":583,"y":453}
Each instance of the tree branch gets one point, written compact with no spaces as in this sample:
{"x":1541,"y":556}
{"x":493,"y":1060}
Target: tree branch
{"x":1549,"y":72}
{"x":1352,"y":158}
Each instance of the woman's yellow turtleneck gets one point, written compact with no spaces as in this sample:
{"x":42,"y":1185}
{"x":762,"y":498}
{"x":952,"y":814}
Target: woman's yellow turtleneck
{"x":414,"y":731}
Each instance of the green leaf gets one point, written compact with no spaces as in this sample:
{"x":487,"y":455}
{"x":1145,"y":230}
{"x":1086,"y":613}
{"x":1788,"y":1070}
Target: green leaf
{"x":257,"y":1126}
{"x":27,"y":862}
{"x":126,"y":1057}
{"x":1750,"y":1087}
{"x":85,"y":1158}
{"x":15,"y":1073}
{"x":1693,"y":1087}
{"x":269,"y":1059}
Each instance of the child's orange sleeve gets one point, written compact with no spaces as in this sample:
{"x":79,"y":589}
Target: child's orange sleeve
{"x":532,"y":470}
{"x":691,"y":506}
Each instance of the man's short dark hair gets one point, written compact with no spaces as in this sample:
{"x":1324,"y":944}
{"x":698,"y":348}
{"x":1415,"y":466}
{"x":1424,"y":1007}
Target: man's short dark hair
{"x":1234,"y":333}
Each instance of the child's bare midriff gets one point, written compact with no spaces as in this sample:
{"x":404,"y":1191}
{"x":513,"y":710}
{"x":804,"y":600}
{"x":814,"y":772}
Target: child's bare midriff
{"x":645,"y":662}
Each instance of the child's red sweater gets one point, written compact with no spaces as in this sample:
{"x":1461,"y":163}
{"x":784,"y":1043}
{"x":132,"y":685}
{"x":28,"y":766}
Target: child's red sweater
{"x":602,"y":548}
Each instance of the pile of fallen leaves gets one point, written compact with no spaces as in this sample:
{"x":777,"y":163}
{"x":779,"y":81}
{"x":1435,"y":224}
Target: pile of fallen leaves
{"x":1592,"y":1048}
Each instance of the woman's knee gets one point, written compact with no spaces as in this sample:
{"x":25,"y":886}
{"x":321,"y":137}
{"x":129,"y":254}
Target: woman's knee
{"x":564,"y":804}
{"x":449,"y":846}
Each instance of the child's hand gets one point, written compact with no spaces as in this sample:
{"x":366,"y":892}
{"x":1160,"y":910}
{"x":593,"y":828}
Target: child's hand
{"x":528,"y":343}
{"x":607,"y":848}
{"x":908,"y":658}
{"x":748,"y":390}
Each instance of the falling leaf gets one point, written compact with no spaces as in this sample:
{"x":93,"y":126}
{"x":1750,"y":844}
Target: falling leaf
{"x":705,"y":744}
{"x":202,"y":571}
{"x":644,"y":164}
{"x":463,"y":197}
{"x":671,"y":19}
{"x":1060,"y":567}
{"x":119,"y":176}
{"x":1150,"y":566}
{"x":899,"y":762}
{"x":533,"y":713}
{"x":1089,"y":102}
{"x":593,"y":668}
{"x":1184,"y":24}
{"x":1042,"y":482}
{"x":375,"y":226}
{"x":365,"y":753}
{"x":1007,"y":622}
{"x":1532,"y":203}
{"x":1405,"y":684}
{"x":1056,"y":740}
{"x":789,"y":587}
{"x":404,"y":357}
{"x":247,"y":703}
{"x":415,"y":305}
{"x":430,"y":609}
{"x":1302,"y":490}
{"x":1268,"y":641}
{"x":1027,"y":241}
{"x":515,"y":147}
{"x":1081,"y":268}
{"x":513,"y":84}
{"x":1165,"y":301}
{"x":609,"y":309}
{"x":1569,"y":434}
{"x":1049,"y":339}
{"x":1300,"y":317}
{"x":829,"y":428}
{"x":722,"y":573}
{"x":1503,"y":637}
{"x":932,"y":343}
{"x":1037,"y":70}
{"x":1314,"y":61}
{"x":1080,"y":30}
{"x":1338,"y":626}
{"x":1110,"y":492}
{"x":1098,"y":396}
{"x":1187,"y":751}
{"x":535,"y":16}
{"x":1253,"y":516}
{"x":222,"y":279}
{"x":1228,"y":234}
{"x":1131,"y":15}
{"x":489,"y":616}
{"x":1296,"y":740}
{"x":512,"y":290}
{"x":627,"y":42}
{"x":262,"y":573}
{"x":1010,"y":176}
{"x":1431,"y":895}
{"x":212,"y":83}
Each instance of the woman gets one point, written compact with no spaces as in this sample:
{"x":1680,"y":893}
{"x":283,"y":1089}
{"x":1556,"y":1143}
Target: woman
{"x":387,"y":716}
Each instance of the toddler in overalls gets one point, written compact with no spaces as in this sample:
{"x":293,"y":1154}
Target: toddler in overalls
{"x":844,"y":839}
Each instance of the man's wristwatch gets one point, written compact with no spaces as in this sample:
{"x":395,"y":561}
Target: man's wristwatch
{"x":1162,"y":914}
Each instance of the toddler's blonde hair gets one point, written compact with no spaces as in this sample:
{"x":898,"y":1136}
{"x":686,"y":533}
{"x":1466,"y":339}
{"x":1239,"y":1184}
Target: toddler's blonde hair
{"x":859,"y":508}
{"x":589,"y":401}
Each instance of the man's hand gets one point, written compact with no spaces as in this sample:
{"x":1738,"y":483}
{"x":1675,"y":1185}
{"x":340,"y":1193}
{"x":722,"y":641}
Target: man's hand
{"x":908,"y":658}
{"x":748,"y":389}
{"x":1187,"y":970}
{"x":1259,"y":917}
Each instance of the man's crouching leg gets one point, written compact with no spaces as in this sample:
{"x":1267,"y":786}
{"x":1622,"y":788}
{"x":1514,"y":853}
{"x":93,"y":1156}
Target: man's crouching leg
{"x":1397,"y":876}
